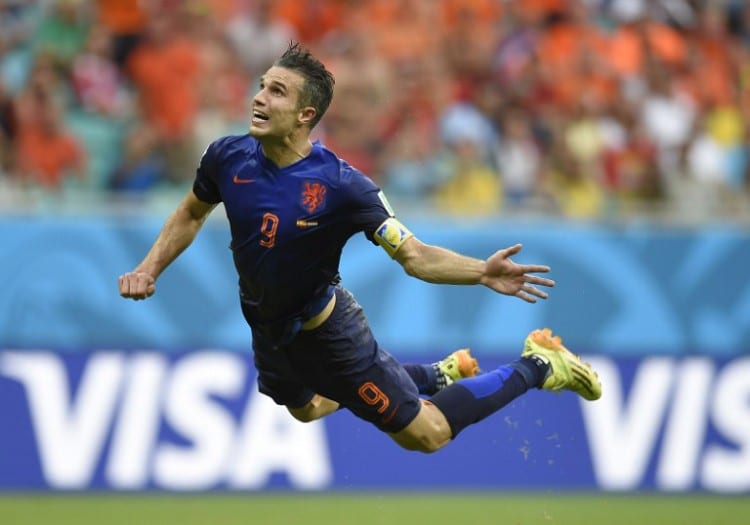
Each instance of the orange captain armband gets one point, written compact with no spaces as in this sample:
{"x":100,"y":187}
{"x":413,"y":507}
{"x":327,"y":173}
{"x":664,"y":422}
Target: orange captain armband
{"x":391,"y":235}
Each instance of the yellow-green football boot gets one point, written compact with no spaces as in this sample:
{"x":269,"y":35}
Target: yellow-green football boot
{"x":458,"y":365}
{"x":567,"y":371}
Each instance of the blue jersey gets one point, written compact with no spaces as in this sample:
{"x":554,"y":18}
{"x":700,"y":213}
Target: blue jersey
{"x":288,"y":225}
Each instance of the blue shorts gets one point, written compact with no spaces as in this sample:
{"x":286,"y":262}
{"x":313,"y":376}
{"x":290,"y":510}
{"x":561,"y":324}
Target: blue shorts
{"x":342,"y":361}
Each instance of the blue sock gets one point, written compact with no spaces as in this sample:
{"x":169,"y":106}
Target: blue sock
{"x":425,"y":377}
{"x":470,"y":400}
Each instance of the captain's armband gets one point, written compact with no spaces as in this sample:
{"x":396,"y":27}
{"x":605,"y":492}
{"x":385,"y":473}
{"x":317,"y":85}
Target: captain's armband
{"x":391,"y":235}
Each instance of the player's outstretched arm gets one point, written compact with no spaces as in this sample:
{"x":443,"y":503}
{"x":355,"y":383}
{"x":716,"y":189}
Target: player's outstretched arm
{"x":438,"y":265}
{"x":178,"y":232}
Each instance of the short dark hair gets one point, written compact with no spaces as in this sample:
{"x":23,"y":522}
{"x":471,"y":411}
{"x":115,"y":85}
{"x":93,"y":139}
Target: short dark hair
{"x":318,"y":88}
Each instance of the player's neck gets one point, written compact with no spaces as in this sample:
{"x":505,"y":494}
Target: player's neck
{"x":286,"y":151}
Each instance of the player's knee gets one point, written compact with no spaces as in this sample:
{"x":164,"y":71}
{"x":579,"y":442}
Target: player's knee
{"x":429,"y":444}
{"x":424,"y":443}
{"x":425,"y":436}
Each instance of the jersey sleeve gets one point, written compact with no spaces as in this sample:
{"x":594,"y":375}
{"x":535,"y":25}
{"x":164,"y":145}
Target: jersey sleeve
{"x":372,"y":213}
{"x":206,"y":186}
{"x":366,"y":210}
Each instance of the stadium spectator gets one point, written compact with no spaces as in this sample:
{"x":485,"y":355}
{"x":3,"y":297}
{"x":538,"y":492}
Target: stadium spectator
{"x":96,"y":79}
{"x":224,"y":92}
{"x":126,"y":21}
{"x":166,"y":68}
{"x":714,"y":164}
{"x":8,"y":126}
{"x":515,"y":44}
{"x":463,"y":122}
{"x":583,"y":134}
{"x":713,"y":54}
{"x":473,"y":187}
{"x":258,"y":36}
{"x":467,"y":41}
{"x":312,"y":20}
{"x":141,"y":168}
{"x":411,"y":169}
{"x":739,"y":21}
{"x":631,"y":175}
{"x":15,"y":24}
{"x":572,"y":190}
{"x":46,"y":153}
{"x":639,"y":38}
{"x":667,"y":115}
{"x":518,"y":157}
{"x":410,"y":104}
{"x":63,"y":31}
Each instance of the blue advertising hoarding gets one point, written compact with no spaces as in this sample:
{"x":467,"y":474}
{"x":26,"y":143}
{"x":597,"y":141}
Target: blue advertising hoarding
{"x":188,"y":421}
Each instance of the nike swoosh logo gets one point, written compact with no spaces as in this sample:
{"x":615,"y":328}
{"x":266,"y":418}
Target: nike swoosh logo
{"x":238,"y":180}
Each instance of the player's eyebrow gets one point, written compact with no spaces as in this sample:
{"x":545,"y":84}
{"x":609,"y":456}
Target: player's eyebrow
{"x":277,"y":83}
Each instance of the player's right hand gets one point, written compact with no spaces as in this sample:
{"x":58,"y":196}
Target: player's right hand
{"x":136,"y":285}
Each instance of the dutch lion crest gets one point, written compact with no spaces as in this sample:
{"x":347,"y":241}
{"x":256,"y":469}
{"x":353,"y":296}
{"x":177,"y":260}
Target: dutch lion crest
{"x":313,"y":195}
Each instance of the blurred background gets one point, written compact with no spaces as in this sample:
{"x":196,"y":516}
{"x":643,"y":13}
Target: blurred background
{"x":604,"y":110}
{"x":610,"y":137}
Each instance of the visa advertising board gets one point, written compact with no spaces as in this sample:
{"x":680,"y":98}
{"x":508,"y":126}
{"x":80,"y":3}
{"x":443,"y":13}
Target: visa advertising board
{"x":193,"y":421}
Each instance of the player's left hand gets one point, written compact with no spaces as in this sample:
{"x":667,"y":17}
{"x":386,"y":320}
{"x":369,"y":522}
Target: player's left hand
{"x":506,"y":277}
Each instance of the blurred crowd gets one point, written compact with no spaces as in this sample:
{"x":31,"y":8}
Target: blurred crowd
{"x":579,"y":108}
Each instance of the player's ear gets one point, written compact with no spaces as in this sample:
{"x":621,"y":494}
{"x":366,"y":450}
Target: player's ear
{"x":306,"y":115}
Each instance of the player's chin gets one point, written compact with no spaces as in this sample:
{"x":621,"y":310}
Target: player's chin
{"x":257,"y":131}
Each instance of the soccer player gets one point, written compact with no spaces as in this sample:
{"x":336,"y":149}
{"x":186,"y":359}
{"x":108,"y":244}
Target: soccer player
{"x":291,"y":206}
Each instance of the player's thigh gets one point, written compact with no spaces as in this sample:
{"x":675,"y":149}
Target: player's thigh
{"x":279,"y":381}
{"x":429,"y":431}
{"x":341,"y":360}
{"x":365,"y":379}
{"x":383,"y":394}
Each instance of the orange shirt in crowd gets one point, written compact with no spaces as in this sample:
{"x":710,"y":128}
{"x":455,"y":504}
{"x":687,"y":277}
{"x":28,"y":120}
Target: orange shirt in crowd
{"x":482,"y":11}
{"x":166,"y":76}
{"x":122,"y":17}
{"x":44,"y":158}
{"x":311,"y":19}
{"x":402,"y":30}
{"x":564,"y":42}
{"x":572,"y":55}
{"x":626,"y":51}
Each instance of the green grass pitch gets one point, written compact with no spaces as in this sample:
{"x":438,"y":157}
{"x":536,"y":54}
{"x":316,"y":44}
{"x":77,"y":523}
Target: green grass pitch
{"x":455,"y":508}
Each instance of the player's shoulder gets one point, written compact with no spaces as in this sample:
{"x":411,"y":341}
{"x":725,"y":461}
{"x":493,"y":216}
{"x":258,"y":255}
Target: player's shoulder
{"x":224,"y":146}
{"x":336,"y":169}
{"x":324,"y":157}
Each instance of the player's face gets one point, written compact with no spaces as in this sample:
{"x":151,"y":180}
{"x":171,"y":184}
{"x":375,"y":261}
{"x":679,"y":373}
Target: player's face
{"x":276,"y":111}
